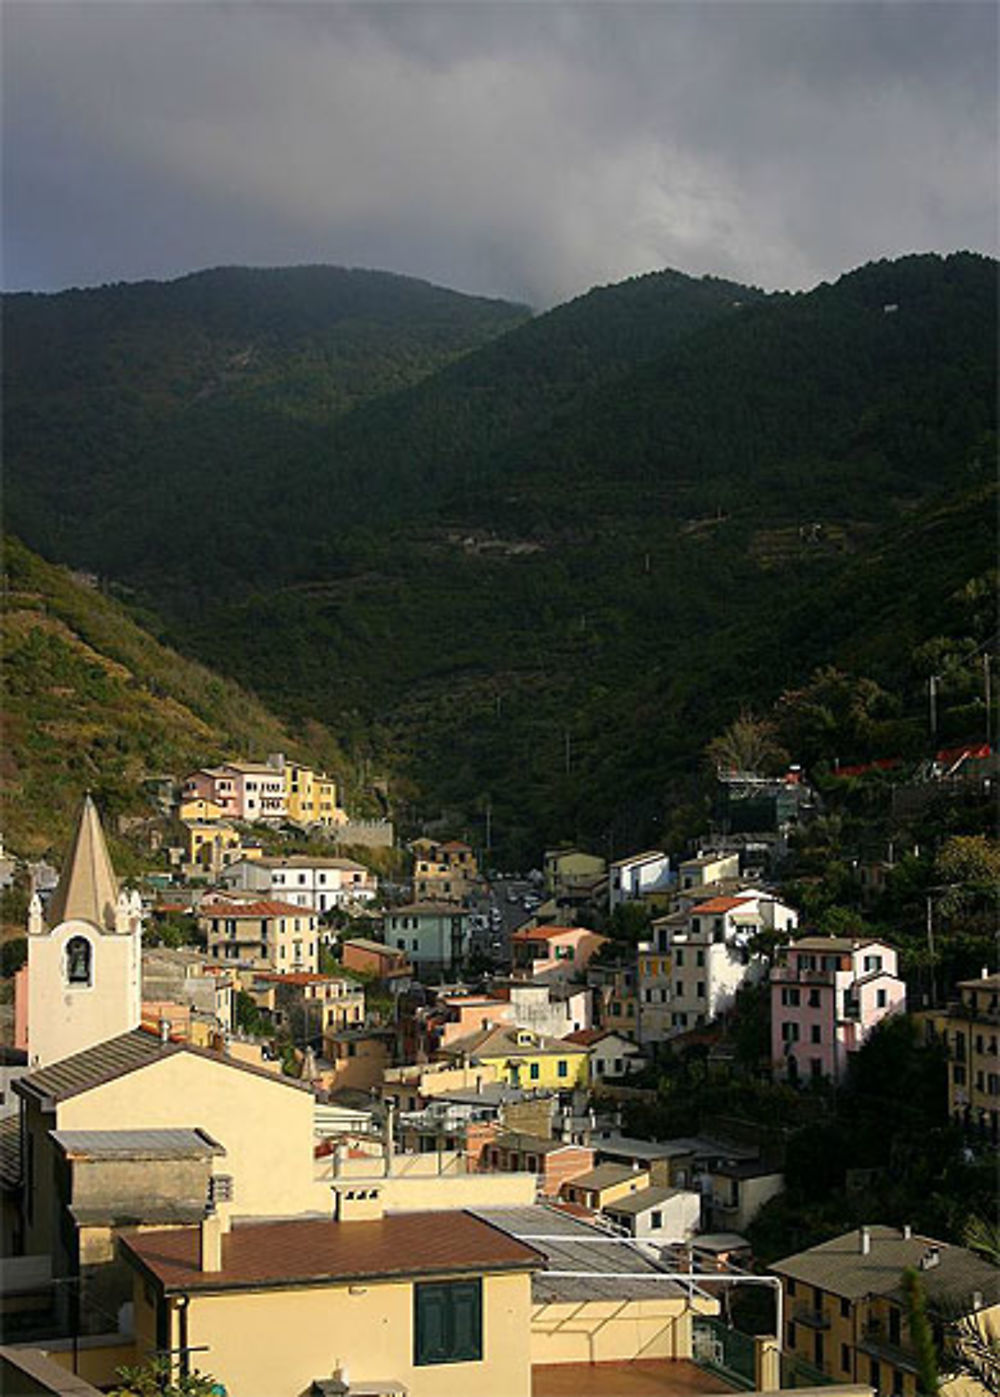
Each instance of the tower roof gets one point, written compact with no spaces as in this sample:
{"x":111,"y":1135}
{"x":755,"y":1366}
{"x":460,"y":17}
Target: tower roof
{"x":88,"y":888}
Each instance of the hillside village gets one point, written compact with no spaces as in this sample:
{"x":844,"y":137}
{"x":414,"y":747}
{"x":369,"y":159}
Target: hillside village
{"x":642,"y":1124}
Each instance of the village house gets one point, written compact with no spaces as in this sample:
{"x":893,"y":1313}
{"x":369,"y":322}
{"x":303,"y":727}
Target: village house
{"x":654,"y":991}
{"x":441,"y":1311}
{"x":705,"y":868}
{"x":554,"y":952}
{"x":247,"y":791}
{"x":305,"y":880}
{"x":522,"y":1057}
{"x":435,"y":935}
{"x":638,"y":877}
{"x":385,"y":963}
{"x":827,"y":994}
{"x":264,"y":935}
{"x":310,"y":796}
{"x":553,"y":1161}
{"x":614,"y":988}
{"x":735,"y":1192}
{"x":712,"y":954}
{"x":410,"y":1086}
{"x":308,"y":1005}
{"x":570,"y":872}
{"x":443,"y":871}
{"x":666,"y":1216}
{"x":845,"y":1311}
{"x":611,"y":1055}
{"x":603,"y":1185}
{"x":969,"y":1029}
{"x":355,"y":1058}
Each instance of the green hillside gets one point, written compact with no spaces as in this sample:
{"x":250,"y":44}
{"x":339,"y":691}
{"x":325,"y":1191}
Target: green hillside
{"x":541,"y":578}
{"x":92,"y":701}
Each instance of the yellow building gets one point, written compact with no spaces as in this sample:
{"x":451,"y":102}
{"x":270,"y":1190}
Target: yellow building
{"x":442,"y":871}
{"x":571,"y":870}
{"x":523,"y":1058}
{"x":845,"y":1314}
{"x":213,"y":845}
{"x":311,"y":796}
{"x":200,"y":808}
{"x":413,"y":1302}
{"x":603,"y":1185}
{"x":969,"y":1029}
{"x":264,"y":935}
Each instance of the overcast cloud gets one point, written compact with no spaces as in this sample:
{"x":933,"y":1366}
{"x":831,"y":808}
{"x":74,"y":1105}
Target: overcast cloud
{"x":525,"y":150}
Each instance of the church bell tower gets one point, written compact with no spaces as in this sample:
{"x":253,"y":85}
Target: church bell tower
{"x":84,"y":953}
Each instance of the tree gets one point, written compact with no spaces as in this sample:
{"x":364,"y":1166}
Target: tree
{"x":749,"y":744}
{"x":921,"y":1334}
{"x":155,"y":1379}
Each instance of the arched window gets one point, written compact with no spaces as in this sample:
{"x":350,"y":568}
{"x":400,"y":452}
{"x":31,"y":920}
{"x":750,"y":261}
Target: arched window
{"x":79,"y":961}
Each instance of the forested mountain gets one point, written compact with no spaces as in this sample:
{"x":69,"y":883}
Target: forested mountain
{"x":544,"y":575}
{"x":92,"y":702}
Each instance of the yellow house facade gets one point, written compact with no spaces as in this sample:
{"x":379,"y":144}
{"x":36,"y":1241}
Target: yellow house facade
{"x":523,"y":1058}
{"x":311,"y":796}
{"x":845,"y":1312}
{"x":440,"y":1306}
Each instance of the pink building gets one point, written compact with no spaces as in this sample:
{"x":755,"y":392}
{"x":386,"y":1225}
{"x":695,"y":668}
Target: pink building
{"x":247,"y":791}
{"x":214,"y":783}
{"x":553,"y":952}
{"x":827,"y":995}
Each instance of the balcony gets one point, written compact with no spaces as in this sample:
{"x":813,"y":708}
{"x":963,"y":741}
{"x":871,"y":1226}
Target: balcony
{"x":876,"y":1344}
{"x":786,"y":974}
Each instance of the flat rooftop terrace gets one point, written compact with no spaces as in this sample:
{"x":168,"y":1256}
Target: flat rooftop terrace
{"x":644,"y":1377}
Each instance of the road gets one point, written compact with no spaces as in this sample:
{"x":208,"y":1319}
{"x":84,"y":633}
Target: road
{"x":503,"y":906}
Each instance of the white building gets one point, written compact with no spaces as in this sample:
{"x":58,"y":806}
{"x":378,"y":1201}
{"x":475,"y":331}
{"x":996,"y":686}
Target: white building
{"x":631,"y":879}
{"x":663,"y":1215}
{"x":711,"y":952}
{"x":320,"y":884}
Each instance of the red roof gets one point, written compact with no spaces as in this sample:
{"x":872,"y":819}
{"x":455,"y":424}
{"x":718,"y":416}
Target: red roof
{"x":721,"y":904}
{"x":316,"y":1251}
{"x":586,"y":1037}
{"x":549,"y":933}
{"x":253,"y":909}
{"x":975,"y":751}
{"x":859,"y":769}
{"x":297,"y":977}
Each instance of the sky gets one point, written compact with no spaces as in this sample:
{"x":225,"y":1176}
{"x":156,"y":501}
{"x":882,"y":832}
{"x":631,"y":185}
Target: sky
{"x":526,"y":150}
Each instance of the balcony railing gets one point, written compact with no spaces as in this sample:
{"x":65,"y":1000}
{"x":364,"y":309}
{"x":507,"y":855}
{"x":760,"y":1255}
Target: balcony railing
{"x":810,"y":1316}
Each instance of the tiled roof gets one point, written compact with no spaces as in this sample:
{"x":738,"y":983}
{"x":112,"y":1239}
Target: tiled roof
{"x":117,"y":1057}
{"x":639,"y":1202}
{"x":314,"y":1252}
{"x":301,"y":977}
{"x":363,"y":943}
{"x":137,"y":1144}
{"x":502,"y":1040}
{"x":844,"y":945}
{"x":840,"y":1267}
{"x":722,"y":904}
{"x":552,"y":933}
{"x":646,"y":857}
{"x":606,"y":1176}
{"x":10,"y":1149}
{"x":308,"y":861}
{"x":253,"y":909}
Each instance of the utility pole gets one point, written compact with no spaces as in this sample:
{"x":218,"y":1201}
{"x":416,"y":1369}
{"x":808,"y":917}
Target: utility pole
{"x":986,"y":689}
{"x":932,"y":699}
{"x":930,"y":948}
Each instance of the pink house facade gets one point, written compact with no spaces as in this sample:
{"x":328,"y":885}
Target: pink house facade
{"x":553,"y":953}
{"x":827,"y":995}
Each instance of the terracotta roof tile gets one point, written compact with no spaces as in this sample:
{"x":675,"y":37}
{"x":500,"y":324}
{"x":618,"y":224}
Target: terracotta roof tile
{"x":311,"y":1251}
{"x":253,"y":909}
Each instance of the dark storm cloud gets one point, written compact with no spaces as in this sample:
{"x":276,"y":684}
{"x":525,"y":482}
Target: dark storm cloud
{"x":520,"y":149}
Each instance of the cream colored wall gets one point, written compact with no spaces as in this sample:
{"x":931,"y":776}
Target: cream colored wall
{"x":604,"y":1331}
{"x":96,"y":1361}
{"x":367,"y":1329}
{"x":459,"y":1191}
{"x":265,"y":1126}
{"x":64,"y":1019}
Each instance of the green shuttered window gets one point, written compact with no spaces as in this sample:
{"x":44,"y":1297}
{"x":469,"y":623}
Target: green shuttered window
{"x":447,"y":1322}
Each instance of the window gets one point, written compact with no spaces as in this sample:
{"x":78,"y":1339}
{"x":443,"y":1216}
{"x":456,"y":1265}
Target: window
{"x":447,"y":1322}
{"x":873,"y":1374}
{"x":533,"y":1071}
{"x":656,"y":1220}
{"x":789,"y":1032}
{"x":958,"y":1074}
{"x":881,"y":999}
{"x":679,"y":957}
{"x":679,"y":989}
{"x":79,"y":961}
{"x":790,"y":997}
{"x":814,"y":999}
{"x":791,"y":1334}
{"x":790,"y":1286}
{"x":700,"y":989}
{"x":699,"y":958}
{"x":562,"y":1070}
{"x":895,"y":1318}
{"x":815,"y":1033}
{"x":845,"y":1358}
{"x":845,"y":1309}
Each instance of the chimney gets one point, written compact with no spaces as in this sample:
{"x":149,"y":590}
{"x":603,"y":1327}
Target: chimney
{"x":977,"y":1301}
{"x":164,"y":1030}
{"x":930,"y":1259}
{"x":210,"y":1241}
{"x":907,"y":1232}
{"x":864,"y":1241}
